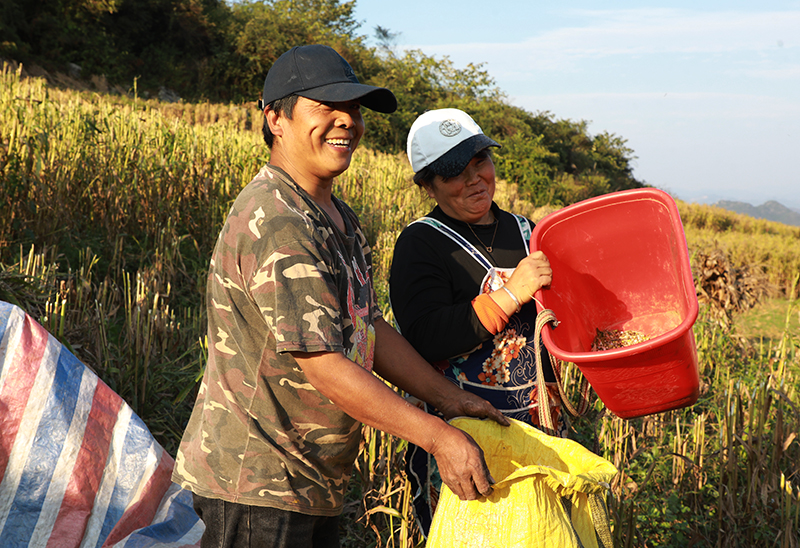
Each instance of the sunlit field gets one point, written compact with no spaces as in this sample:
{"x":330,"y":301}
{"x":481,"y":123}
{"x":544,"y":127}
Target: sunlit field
{"x":112,"y":205}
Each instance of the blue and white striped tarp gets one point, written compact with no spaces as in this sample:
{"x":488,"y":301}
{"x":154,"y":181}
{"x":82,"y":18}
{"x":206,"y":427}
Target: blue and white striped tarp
{"x":77,"y":467}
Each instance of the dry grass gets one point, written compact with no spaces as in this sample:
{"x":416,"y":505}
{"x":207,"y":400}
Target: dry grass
{"x":768,"y":249}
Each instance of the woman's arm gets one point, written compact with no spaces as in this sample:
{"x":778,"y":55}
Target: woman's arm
{"x":434,"y":316}
{"x":433,"y":283}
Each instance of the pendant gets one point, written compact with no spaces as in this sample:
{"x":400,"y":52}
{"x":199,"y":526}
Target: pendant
{"x":489,"y":249}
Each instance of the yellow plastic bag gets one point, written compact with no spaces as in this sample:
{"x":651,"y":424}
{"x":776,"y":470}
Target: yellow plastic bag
{"x":550,"y":492}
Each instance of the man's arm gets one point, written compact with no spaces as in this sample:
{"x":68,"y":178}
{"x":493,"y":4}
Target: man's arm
{"x":366,"y":398}
{"x":398,"y":362}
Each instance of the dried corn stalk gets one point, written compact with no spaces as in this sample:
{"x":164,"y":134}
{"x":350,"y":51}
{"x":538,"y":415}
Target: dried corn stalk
{"x":615,"y":338}
{"x":726,"y":288}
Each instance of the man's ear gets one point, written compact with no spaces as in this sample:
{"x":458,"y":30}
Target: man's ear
{"x":274,"y":120}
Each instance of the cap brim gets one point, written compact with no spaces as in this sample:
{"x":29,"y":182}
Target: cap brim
{"x":455,"y":160}
{"x":372,"y":97}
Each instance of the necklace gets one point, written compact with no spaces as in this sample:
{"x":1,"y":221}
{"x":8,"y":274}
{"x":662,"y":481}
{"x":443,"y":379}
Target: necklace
{"x":491,"y":244}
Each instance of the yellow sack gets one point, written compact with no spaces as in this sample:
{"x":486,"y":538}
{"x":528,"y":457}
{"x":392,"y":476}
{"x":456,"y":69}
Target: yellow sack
{"x":550,"y":492}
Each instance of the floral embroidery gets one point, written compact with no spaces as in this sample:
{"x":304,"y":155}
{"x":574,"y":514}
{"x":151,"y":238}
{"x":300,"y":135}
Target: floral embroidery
{"x":495,"y":279}
{"x":507,"y":346}
{"x":459,"y":374}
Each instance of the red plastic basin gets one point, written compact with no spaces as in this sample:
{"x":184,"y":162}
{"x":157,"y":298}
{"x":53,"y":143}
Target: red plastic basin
{"x":620,"y":261}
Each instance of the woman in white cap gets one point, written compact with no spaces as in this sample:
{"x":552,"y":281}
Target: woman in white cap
{"x":462,"y":281}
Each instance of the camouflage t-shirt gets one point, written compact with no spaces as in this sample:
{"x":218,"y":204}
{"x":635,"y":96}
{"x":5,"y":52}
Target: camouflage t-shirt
{"x":282,"y":278}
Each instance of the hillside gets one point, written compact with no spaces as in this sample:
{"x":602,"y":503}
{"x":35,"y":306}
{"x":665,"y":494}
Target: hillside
{"x":770,"y":211}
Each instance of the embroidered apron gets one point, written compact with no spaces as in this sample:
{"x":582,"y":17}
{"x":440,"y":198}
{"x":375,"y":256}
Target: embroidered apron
{"x":503,"y":369}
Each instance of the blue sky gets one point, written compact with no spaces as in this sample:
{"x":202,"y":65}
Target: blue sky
{"x":707,"y":94}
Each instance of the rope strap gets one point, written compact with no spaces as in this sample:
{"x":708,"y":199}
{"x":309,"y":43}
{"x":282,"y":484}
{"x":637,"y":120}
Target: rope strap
{"x":545,"y":418}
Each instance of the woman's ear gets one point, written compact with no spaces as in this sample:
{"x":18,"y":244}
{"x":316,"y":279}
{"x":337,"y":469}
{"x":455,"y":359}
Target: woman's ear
{"x":429,"y":189}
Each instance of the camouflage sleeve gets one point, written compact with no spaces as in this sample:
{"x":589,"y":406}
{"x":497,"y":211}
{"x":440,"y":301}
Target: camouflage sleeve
{"x":296,"y":293}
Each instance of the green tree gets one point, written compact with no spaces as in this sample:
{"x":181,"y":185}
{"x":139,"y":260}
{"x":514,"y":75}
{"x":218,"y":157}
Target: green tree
{"x":613,"y":157}
{"x":212,"y":49}
{"x":421,"y":82}
{"x":258,"y":32}
{"x":60,"y":30}
{"x":165,"y":42}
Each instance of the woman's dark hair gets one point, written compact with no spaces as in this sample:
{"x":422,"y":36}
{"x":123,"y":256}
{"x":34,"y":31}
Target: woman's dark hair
{"x":425,"y":176}
{"x":285,"y":105}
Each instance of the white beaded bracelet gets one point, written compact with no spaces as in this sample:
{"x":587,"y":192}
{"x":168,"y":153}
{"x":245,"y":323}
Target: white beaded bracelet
{"x":513,"y":297}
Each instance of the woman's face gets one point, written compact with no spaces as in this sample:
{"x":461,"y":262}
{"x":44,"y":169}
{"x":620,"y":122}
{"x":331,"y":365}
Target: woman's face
{"x":467,"y":196}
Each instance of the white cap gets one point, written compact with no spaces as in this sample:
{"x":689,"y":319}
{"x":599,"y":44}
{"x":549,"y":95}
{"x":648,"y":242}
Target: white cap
{"x":446,"y":140}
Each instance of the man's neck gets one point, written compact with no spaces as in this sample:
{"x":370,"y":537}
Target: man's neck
{"x":321,"y":191}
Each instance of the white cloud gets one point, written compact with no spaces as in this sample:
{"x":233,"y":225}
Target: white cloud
{"x":634,"y":32}
{"x":694,"y":106}
{"x":789,"y":72}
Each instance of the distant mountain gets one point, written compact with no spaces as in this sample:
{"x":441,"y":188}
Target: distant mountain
{"x":771,"y":211}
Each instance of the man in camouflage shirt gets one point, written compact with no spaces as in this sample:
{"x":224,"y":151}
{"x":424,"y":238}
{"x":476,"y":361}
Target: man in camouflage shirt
{"x":295,"y":332}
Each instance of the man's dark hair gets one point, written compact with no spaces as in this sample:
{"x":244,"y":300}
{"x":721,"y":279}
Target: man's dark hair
{"x":284,"y":105}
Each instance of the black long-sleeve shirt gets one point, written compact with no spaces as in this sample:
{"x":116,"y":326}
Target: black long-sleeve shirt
{"x":433,"y":281}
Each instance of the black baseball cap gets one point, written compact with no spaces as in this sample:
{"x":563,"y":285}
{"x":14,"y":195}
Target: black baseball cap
{"x":318,"y":72}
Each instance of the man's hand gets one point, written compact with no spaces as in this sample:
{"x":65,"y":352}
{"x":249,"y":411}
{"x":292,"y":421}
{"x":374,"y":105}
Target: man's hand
{"x":467,"y":404}
{"x":364,"y":397}
{"x":461,"y":464}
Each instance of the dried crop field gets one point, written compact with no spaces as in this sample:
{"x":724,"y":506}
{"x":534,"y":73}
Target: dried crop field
{"x":114,"y":208}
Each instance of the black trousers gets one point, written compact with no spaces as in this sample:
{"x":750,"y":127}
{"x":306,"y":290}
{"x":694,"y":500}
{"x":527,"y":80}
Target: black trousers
{"x":232,"y":525}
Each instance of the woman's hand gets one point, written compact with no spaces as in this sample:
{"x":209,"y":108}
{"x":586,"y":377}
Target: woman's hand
{"x":532,"y":273}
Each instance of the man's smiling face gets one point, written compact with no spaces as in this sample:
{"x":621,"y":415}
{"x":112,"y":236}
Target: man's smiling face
{"x":320,"y":138}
